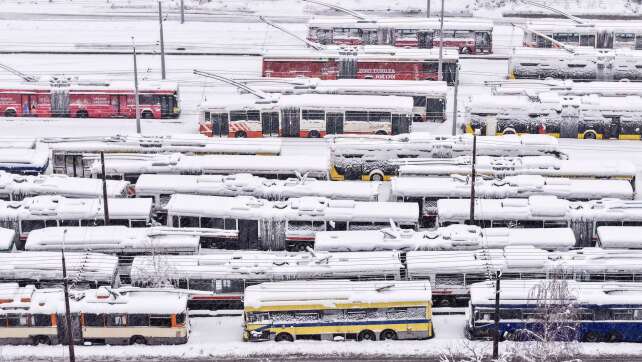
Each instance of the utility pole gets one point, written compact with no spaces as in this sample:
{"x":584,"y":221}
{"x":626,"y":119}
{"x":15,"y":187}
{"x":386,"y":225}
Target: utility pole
{"x":440,"y":75}
{"x":137,"y":109}
{"x":162,"y":42}
{"x":183,"y":11}
{"x":472,"y":181}
{"x":105,"y":203}
{"x":454,"y":126}
{"x":427,"y":8}
{"x":498,"y":277}
{"x":70,"y":333}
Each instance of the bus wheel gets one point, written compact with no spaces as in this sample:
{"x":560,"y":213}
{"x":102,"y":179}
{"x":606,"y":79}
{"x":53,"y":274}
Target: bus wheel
{"x":591,"y":337}
{"x":381,"y":133}
{"x":41,"y":340}
{"x":614,"y":337}
{"x":284,"y":337}
{"x":240,"y":134}
{"x":137,"y":340}
{"x":376,"y":176}
{"x":388,"y":334}
{"x":82,"y":114}
{"x":314,"y":134}
{"x":366,"y":336}
{"x":590,"y":135}
{"x":10,"y":113}
{"x":509,"y":131}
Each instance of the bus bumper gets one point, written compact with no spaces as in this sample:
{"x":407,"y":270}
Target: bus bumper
{"x":256,"y":336}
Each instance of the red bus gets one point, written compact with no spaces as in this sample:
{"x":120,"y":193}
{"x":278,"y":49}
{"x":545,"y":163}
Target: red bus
{"x":95,"y":100}
{"x":367,"y":62}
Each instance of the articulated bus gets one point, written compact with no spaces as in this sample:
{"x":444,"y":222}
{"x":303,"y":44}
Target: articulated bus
{"x":429,"y":97}
{"x":468,"y":37}
{"x":584,"y":117}
{"x":598,"y":312}
{"x":533,"y":87}
{"x":377,"y":158}
{"x":74,"y":155}
{"x":305,"y":115}
{"x":337,"y":310}
{"x":101,"y":316}
{"x":93,"y":100}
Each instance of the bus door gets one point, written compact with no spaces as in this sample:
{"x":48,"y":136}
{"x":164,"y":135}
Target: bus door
{"x":334,"y":123}
{"x":74,"y":165}
{"x":424,"y":39}
{"x":614,"y":127}
{"x":291,"y":122}
{"x":482,"y":42}
{"x":248,"y":234}
{"x":348,"y":67}
{"x":270,"y":123}
{"x":26,"y":104}
{"x":76,"y":328}
{"x":604,"y":40}
{"x":435,"y":109}
{"x":569,"y":126}
{"x":220,"y":124}
{"x":369,"y":36}
{"x":115,"y":105}
{"x":166,"y":106}
{"x":400,"y":124}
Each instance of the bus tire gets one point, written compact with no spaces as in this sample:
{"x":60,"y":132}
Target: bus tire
{"x":614,"y":337}
{"x":366,"y":335}
{"x":376,"y":176}
{"x":509,"y":131}
{"x":284,"y":337}
{"x":10,"y":113}
{"x":381,"y":133}
{"x":240,"y":134}
{"x":590,"y":135}
{"x":147,"y":115}
{"x":388,"y":334}
{"x":37,"y":340}
{"x":137,"y":340}
{"x":82,"y":114}
{"x":591,"y":337}
{"x":314,"y":134}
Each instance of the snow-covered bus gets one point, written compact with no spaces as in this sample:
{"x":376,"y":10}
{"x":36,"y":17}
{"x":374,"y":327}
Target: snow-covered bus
{"x":595,"y":312}
{"x":467,"y":36}
{"x":223,"y":276}
{"x":15,"y":187}
{"x":25,"y":157}
{"x":619,"y":237}
{"x":325,"y":310}
{"x":585,"y":117}
{"x":453,"y":237}
{"x":602,"y":35}
{"x":377,"y":158}
{"x":278,"y":225}
{"x":544,"y":212}
{"x":38,"y":212}
{"x":427,"y":190}
{"x":130,"y":167}
{"x":305,"y":115}
{"x":533,"y":87}
{"x":500,"y":167}
{"x":429,"y":97}
{"x":161,"y":187}
{"x":581,"y":64}
{"x":104,"y":315}
{"x":361,"y":62}
{"x":44,"y":269}
{"x":73,"y":155}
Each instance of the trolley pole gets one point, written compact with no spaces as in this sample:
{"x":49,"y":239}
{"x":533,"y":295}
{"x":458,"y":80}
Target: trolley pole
{"x":137,"y":109}
{"x":427,"y":8}
{"x":70,"y":332}
{"x":182,"y":11}
{"x":105,"y":203}
{"x":440,"y":75}
{"x":455,"y":96}
{"x":472,"y":182}
{"x":162,"y":41}
{"x":498,"y":277}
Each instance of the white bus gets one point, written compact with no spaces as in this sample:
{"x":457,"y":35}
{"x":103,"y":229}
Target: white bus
{"x":102,"y":316}
{"x":544,"y":212}
{"x":619,"y":237}
{"x":427,"y":190}
{"x":44,"y":269}
{"x":377,"y":158}
{"x":278,"y":225}
{"x":226,"y":274}
{"x":305,"y":115}
{"x":38,"y":212}
{"x":534,"y":87}
{"x":601,"y":35}
{"x":161,"y":187}
{"x":15,"y":187}
{"x":7,"y":239}
{"x":429,"y":97}
{"x":69,"y":153}
{"x":453,"y":237}
{"x":130,"y":167}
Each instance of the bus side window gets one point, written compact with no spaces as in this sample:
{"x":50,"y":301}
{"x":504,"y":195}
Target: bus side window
{"x":138,"y":223}
{"x":116,"y":320}
{"x":30,"y":225}
{"x":337,"y":225}
{"x":230,"y":224}
{"x":189,"y":222}
{"x":160,"y":321}
{"x":138,"y":320}
{"x":41,"y":320}
{"x":637,"y":314}
{"x":94,"y":320}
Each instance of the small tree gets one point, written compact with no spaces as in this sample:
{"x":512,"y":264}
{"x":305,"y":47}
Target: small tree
{"x":156,"y":271}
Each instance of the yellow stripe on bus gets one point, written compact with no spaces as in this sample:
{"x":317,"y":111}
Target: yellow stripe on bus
{"x":310,"y":307}
{"x":377,"y":328}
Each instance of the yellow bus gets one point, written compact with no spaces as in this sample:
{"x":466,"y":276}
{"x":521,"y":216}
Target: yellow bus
{"x":338,"y":310}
